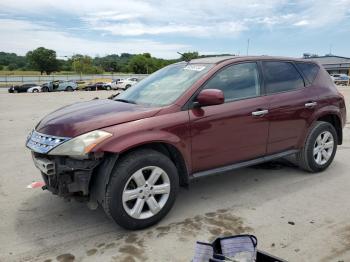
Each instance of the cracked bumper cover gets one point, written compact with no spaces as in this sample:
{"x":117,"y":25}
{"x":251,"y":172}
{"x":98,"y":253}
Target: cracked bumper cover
{"x":63,"y":175}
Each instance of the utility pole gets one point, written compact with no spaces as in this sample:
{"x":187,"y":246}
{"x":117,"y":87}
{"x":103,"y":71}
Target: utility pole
{"x":248,"y":46}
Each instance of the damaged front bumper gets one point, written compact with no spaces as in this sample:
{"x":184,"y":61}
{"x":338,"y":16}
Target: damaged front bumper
{"x":65,"y":176}
{"x":82,"y":177}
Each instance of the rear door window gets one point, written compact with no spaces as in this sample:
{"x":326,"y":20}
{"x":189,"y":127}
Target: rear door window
{"x":309,"y":70}
{"x":281,"y":77}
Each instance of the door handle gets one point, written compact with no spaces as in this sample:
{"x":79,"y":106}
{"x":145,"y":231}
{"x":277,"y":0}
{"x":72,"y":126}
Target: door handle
{"x":260,"y":112}
{"x":310,"y":104}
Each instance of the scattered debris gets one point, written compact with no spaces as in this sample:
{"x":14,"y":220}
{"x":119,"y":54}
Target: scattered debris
{"x":91,"y":252}
{"x":65,"y":258}
{"x":291,"y":223}
{"x":38,"y":184}
{"x":283,"y":245}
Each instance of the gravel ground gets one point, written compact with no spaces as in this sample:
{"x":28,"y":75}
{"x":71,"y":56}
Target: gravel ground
{"x":295,"y":215}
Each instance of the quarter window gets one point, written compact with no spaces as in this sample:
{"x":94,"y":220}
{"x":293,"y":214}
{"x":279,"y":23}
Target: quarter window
{"x":237,"y":81}
{"x":309,"y":70}
{"x":281,"y":77}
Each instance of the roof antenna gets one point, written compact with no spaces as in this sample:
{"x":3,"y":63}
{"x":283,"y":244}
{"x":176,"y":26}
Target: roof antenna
{"x":187,"y":59}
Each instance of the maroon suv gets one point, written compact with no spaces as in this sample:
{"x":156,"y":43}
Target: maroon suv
{"x":130,"y":154}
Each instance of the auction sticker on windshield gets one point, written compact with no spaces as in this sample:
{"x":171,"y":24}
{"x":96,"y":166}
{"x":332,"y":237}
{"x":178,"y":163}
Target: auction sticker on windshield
{"x":194,"y":68}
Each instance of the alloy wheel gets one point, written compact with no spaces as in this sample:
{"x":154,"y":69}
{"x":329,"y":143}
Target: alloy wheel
{"x":323,"y":148}
{"x":146,"y":192}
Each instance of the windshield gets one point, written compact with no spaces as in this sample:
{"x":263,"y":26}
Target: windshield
{"x":166,"y":85}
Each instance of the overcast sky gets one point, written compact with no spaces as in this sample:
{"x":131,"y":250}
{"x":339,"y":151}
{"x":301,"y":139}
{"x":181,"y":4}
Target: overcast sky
{"x":165,"y":27}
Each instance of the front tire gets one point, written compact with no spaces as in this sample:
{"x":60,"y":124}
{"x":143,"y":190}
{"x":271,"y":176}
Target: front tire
{"x":320,"y":148}
{"x":142,"y":189}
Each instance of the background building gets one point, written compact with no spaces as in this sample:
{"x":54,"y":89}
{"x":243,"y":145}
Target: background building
{"x":332,"y":63}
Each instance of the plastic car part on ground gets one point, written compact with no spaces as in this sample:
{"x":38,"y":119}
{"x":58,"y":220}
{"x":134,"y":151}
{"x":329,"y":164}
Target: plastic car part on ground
{"x":239,"y":248}
{"x":37,"y":184}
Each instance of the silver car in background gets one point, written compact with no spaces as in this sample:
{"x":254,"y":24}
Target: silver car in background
{"x":59,"y":85}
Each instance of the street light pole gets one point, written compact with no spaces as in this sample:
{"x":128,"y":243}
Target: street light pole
{"x":248,"y":46}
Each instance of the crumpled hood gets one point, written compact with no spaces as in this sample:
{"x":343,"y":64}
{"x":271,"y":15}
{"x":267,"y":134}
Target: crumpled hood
{"x":79,"y":118}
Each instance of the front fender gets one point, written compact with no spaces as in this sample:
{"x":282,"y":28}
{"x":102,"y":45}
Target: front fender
{"x":122,"y":143}
{"x":171,"y":129}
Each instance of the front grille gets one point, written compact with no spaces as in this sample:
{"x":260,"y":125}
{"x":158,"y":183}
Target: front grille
{"x":42,"y":143}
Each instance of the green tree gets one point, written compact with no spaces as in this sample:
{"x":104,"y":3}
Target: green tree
{"x":83,"y":64}
{"x":1,"y":67}
{"x":146,"y":64}
{"x":109,"y":63}
{"x":44,"y":60}
{"x":65,"y":65}
{"x":140,"y":64}
{"x":12,"y":67}
{"x":12,"y":58}
{"x":189,"y":56}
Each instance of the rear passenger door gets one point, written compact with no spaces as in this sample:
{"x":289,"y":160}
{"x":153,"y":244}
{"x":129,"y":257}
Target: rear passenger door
{"x":291,"y":100}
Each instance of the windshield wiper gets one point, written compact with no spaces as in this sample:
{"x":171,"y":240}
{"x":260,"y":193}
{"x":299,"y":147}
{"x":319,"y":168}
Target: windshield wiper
{"x":125,"y":101}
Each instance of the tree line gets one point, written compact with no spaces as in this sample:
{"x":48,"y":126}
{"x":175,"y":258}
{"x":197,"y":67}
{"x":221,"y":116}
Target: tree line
{"x":46,"y":61}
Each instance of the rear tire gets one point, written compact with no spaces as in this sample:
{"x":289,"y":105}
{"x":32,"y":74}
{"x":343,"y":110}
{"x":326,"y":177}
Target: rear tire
{"x":45,"y":89}
{"x":35,"y":91}
{"x":69,"y":89}
{"x":320,"y":148}
{"x":145,"y":163}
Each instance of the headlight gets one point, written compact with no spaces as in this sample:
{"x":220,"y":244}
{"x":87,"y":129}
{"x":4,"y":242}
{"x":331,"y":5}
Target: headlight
{"x":81,"y":145}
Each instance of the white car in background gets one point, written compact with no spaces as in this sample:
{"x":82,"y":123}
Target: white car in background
{"x":340,"y":77}
{"x":126,"y":83}
{"x":35,"y":89}
{"x":113,"y":84}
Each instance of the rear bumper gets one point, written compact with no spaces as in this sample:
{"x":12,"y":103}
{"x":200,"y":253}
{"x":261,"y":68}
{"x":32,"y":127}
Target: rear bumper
{"x":65,"y":176}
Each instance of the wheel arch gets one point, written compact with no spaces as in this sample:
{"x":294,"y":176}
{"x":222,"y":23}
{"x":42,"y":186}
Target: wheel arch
{"x":328,"y":114}
{"x":335,"y":121}
{"x":170,"y":151}
{"x":102,"y":174}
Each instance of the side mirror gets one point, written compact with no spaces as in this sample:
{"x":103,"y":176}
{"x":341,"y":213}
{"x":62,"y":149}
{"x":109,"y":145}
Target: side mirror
{"x":210,"y":97}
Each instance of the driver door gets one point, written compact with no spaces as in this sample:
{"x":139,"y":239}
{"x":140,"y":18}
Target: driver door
{"x":57,"y":85}
{"x":235,"y":131}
